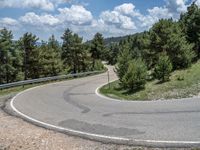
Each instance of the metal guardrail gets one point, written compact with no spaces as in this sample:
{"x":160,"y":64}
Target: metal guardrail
{"x":25,"y":82}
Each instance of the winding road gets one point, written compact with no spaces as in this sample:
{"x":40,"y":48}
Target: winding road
{"x":73,"y":107}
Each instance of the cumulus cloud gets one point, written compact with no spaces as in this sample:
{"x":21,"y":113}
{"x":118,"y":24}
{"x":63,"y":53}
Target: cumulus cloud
{"x":42,"y":4}
{"x":117,"y":19}
{"x":8,"y":22}
{"x":172,"y":9}
{"x":154,"y":15}
{"x":76,"y":14}
{"x":39,"y":20}
{"x":120,"y":16}
{"x":176,"y":6}
{"x":197,"y":2}
{"x":126,"y":8}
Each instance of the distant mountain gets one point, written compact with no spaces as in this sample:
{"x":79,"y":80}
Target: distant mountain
{"x":110,"y":40}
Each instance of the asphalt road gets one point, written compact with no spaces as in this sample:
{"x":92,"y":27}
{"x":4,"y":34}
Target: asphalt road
{"x":73,"y":105}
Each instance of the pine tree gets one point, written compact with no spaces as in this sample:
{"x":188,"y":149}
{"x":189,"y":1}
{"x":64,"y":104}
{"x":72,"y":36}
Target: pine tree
{"x":66,"y":53}
{"x":7,"y":70}
{"x":73,"y":51}
{"x":191,"y":24}
{"x":30,"y":54}
{"x":97,"y":48}
{"x":56,"y":64}
{"x":163,"y":68}
{"x":113,"y":53}
{"x":135,"y":77}
{"x":167,"y":36}
{"x":50,"y":58}
{"x":123,"y":62}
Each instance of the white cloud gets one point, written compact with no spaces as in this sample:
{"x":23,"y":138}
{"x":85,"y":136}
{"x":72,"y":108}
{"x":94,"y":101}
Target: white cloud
{"x":126,"y":8}
{"x":42,"y":20}
{"x":76,"y":14}
{"x":172,"y":9}
{"x":8,"y":22}
{"x":153,"y":16}
{"x":42,"y":4}
{"x":198,"y":2}
{"x":120,"y":16}
{"x":176,"y":6}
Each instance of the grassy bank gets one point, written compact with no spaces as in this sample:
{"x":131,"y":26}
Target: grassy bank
{"x":182,"y":84}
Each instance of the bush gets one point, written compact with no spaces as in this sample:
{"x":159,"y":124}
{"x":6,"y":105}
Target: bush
{"x":98,"y":65}
{"x":122,"y":63}
{"x":135,"y":77}
{"x":163,"y":68}
{"x":180,"y":78}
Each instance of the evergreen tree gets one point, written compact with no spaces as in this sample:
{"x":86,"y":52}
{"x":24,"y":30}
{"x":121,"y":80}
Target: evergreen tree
{"x":179,"y":50}
{"x":166,"y":36}
{"x":123,"y":62}
{"x":139,"y":46}
{"x":7,"y":70}
{"x":159,"y":35}
{"x":78,"y":50}
{"x":113,"y":53}
{"x":66,"y":53}
{"x":50,"y":58}
{"x":17,"y":62}
{"x":135,"y":77}
{"x":97,"y":47}
{"x":163,"y":68}
{"x":56,"y":64}
{"x":73,"y":51}
{"x":53,"y":43}
{"x":191,"y":24}
{"x":30,"y":54}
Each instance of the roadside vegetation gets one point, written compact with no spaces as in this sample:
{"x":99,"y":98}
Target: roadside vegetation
{"x":159,"y":63}
{"x":182,"y":84}
{"x":28,"y":58}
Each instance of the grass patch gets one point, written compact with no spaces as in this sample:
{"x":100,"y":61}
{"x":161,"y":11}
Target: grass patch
{"x":182,"y":84}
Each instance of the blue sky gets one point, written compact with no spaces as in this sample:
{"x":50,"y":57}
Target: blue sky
{"x":86,"y":17}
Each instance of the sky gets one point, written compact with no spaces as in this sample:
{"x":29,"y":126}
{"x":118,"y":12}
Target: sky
{"x":86,"y":17}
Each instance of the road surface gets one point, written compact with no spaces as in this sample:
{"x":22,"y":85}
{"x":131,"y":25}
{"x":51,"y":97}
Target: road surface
{"x":74,"y":107}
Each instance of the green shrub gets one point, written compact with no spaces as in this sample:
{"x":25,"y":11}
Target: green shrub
{"x":163,"y":68}
{"x":135,"y":77}
{"x":180,"y":78}
{"x":98,"y":65}
{"x":122,"y":63}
